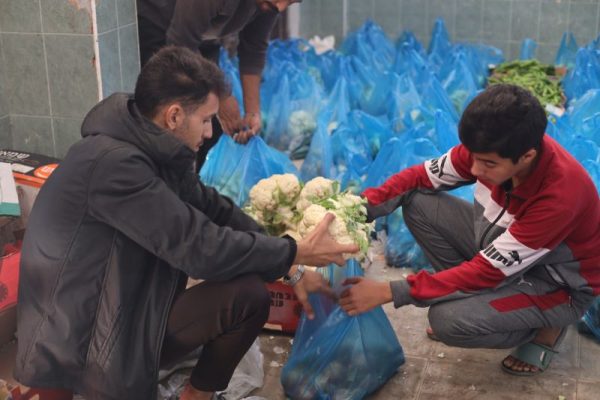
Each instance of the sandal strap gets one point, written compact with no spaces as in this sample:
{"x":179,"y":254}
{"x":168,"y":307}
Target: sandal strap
{"x":534,"y":354}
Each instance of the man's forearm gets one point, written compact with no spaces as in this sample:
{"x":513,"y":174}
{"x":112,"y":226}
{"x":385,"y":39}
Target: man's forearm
{"x":251,"y":89}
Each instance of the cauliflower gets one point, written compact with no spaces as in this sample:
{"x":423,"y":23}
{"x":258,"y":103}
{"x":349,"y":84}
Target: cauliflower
{"x":281,"y":205}
{"x":347,"y":228}
{"x":273,"y":201}
{"x":317,"y":189}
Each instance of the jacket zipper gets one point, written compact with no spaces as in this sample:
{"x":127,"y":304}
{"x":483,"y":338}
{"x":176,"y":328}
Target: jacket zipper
{"x":487,"y":230}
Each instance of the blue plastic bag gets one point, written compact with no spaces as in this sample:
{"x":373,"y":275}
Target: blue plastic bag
{"x":459,"y":80}
{"x":591,"y":319}
{"x":585,"y":75}
{"x":233,"y":169}
{"x":319,"y":160}
{"x":409,"y":40}
{"x":371,"y":45}
{"x":232,"y":76}
{"x":528,"y":47}
{"x":401,"y":249}
{"x":336,"y":356}
{"x":290,"y":117}
{"x":440,"y":47}
{"x":404,"y":99}
{"x":567,"y":52}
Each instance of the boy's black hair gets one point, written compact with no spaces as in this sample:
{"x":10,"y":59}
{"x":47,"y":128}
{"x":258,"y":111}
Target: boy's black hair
{"x":503,"y":119}
{"x":177,"y":74}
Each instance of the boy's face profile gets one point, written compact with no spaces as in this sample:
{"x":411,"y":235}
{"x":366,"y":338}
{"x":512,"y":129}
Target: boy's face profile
{"x":493,"y":169}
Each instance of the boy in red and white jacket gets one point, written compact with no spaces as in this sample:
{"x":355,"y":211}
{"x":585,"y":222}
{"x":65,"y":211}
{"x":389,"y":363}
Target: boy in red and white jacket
{"x":518,"y":266}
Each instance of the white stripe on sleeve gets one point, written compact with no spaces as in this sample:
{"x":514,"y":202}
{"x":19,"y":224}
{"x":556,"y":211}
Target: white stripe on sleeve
{"x":441,"y":171}
{"x":511,"y":256}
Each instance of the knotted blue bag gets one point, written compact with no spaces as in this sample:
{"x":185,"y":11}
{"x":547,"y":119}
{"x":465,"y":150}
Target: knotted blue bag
{"x":336,"y":356}
{"x":233,"y":169}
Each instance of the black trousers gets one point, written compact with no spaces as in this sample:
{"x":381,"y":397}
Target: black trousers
{"x":152,"y":38}
{"x":223,"y":317}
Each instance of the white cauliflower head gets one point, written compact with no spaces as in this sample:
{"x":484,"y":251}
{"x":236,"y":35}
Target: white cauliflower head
{"x":316,"y":189}
{"x":313,"y":216}
{"x":268,"y":193}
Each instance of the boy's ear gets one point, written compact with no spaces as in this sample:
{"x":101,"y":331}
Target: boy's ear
{"x":529,"y":156}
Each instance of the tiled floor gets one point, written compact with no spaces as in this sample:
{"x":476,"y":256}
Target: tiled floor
{"x":436,"y":371}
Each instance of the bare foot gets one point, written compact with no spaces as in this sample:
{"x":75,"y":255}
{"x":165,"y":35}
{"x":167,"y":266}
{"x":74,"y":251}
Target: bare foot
{"x":189,"y":393}
{"x":545,"y":336}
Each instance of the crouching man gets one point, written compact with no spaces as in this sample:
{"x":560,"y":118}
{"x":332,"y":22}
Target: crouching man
{"x":120,"y":226}
{"x":518,"y":266}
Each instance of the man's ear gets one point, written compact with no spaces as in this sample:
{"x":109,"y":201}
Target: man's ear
{"x":529,"y":156}
{"x":173,"y":116}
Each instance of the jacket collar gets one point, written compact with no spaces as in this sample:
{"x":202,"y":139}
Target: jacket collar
{"x":117,"y":116}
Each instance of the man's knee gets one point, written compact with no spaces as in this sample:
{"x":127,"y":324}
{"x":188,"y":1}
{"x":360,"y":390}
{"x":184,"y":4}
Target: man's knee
{"x":253,"y":295}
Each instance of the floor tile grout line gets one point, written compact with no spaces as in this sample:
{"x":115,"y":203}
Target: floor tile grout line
{"x":422,"y":380}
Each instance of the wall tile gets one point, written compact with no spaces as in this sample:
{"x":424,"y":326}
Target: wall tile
{"x":333,"y":10}
{"x":72,"y":74}
{"x":20,"y":16}
{"x":310,"y":19}
{"x":515,"y":50}
{"x":387,"y":14}
{"x":358,"y":12}
{"x":4,"y":109}
{"x":583,"y":21}
{"x":469,"y":17}
{"x":66,"y":132}
{"x":126,"y":12}
{"x":413,"y":17}
{"x":26,"y":82}
{"x":496,"y":20}
{"x":502,"y":45}
{"x":553,"y":21}
{"x":445,"y":9}
{"x":33,"y":134}
{"x":525,"y":19}
{"x":546,"y":53}
{"x":5,"y":134}
{"x":110,"y":63}
{"x":130,"y":59}
{"x":60,"y":16}
{"x":106,"y":15}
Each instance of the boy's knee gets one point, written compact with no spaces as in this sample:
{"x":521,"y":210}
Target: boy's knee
{"x":417,"y":205}
{"x":445,"y":325}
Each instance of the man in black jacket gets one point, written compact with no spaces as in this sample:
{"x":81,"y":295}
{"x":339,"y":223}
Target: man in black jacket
{"x":200,"y":25}
{"x":120,"y":226}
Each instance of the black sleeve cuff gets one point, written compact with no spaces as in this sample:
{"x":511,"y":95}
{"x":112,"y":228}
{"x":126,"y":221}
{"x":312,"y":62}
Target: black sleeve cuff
{"x":293,"y":250}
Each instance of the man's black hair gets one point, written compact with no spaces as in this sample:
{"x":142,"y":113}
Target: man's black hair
{"x":177,"y":74}
{"x":503,"y":119}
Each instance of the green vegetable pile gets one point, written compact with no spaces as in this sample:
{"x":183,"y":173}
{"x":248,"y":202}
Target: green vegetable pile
{"x":538,"y":78}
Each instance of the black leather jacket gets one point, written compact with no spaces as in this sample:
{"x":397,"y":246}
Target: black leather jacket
{"x":109,"y":237}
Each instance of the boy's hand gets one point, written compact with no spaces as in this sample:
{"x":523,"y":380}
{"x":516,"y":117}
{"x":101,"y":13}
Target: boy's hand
{"x":364,"y":295}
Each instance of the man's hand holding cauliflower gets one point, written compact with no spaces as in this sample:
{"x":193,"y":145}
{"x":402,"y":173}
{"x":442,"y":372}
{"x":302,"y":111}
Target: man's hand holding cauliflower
{"x":321,"y":219}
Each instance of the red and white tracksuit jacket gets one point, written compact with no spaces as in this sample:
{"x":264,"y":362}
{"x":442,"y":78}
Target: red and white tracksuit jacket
{"x":554,"y":214}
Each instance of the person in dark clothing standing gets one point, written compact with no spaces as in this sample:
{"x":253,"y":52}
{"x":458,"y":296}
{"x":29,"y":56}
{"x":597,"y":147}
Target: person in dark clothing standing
{"x":200,"y":25}
{"x":120,"y":226}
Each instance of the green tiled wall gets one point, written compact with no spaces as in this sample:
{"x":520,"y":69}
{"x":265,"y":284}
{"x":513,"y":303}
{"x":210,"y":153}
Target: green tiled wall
{"x":502,"y":23}
{"x":50,"y":71}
